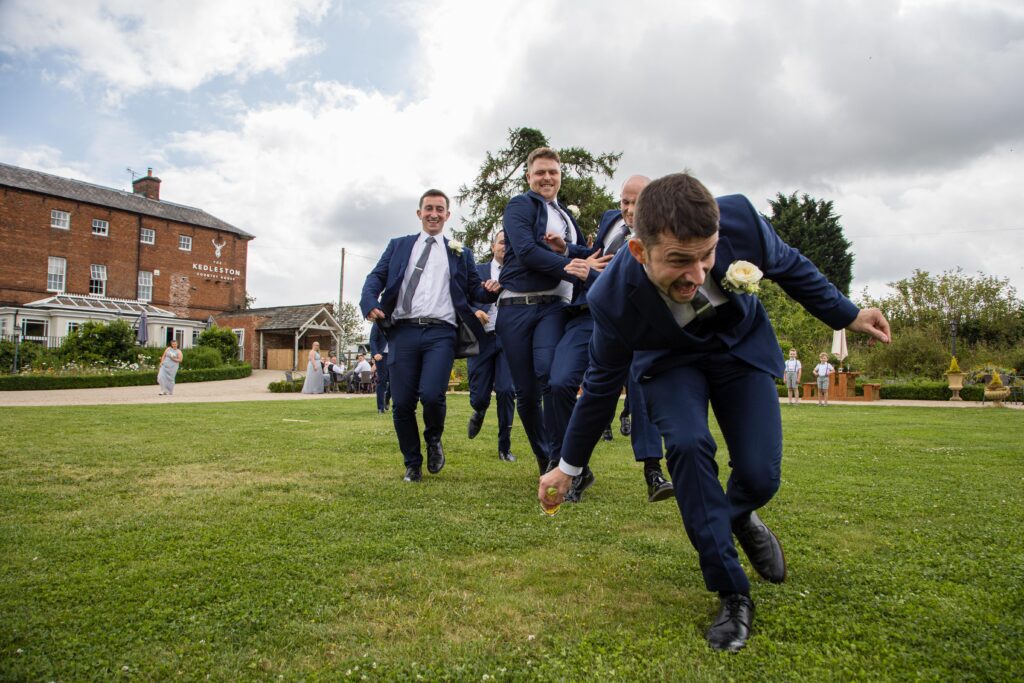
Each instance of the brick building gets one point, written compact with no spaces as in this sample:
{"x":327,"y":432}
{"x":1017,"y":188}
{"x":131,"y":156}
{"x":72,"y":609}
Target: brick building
{"x":120,"y":249}
{"x":280,"y":337}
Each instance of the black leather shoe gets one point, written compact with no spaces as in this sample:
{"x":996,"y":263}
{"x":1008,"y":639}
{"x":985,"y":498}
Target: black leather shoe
{"x":607,"y":436}
{"x":507,"y":457}
{"x":625,"y":425}
{"x":658,"y":487}
{"x":435,"y":458}
{"x":580,"y":483}
{"x":476,"y":421}
{"x":413,"y":474}
{"x":731,"y":629}
{"x":762,"y":548}
{"x":548,"y":466}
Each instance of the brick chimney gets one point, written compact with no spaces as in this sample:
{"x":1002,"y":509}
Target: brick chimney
{"x":148,"y":185}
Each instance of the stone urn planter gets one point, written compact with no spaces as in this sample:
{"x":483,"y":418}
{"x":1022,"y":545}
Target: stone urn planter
{"x":997,"y":395}
{"x":956,"y":383}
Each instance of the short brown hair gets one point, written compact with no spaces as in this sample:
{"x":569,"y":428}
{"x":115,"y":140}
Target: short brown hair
{"x":678,"y":204}
{"x":436,"y":193}
{"x":542,"y":153}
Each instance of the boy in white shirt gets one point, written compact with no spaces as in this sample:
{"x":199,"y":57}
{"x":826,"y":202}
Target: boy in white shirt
{"x":792,"y":376}
{"x":822,"y":373}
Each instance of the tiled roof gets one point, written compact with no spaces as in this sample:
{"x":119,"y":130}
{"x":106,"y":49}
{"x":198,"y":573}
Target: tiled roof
{"x":44,"y":183}
{"x":280,"y":317}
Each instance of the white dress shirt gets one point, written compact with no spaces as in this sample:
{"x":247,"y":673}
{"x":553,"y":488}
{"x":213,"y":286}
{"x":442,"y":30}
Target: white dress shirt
{"x":492,"y":311}
{"x":684,"y":313}
{"x":433,"y":297}
{"x":557,"y":225}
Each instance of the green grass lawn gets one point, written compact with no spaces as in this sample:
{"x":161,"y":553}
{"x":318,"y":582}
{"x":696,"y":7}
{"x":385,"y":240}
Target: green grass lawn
{"x":277,"y":541}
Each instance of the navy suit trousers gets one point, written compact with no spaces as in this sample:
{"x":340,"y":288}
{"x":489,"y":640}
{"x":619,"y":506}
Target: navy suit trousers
{"x":644,"y":436}
{"x":571,"y":357}
{"x":421,"y":360}
{"x":383,"y":382}
{"x":529,"y":334}
{"x":488,"y":372}
{"x":746,"y":405}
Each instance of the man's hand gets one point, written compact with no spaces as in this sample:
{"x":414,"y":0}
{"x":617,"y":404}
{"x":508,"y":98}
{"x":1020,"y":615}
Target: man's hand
{"x":871,"y":322}
{"x":578,"y":267}
{"x":557,"y":479}
{"x":597,"y":261}
{"x":482,"y":317}
{"x":492,"y":286}
{"x":376,"y":314}
{"x":556,"y":242}
{"x":377,"y":356}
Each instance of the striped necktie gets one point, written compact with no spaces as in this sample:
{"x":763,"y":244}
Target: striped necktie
{"x":417,"y":272}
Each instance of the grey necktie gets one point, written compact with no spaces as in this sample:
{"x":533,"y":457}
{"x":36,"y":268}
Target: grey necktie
{"x":414,"y":281}
{"x":705,"y":312}
{"x":617,"y":241}
{"x":565,"y":221}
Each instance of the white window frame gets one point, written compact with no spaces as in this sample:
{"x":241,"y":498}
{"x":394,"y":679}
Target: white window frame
{"x":184,"y":243}
{"x":100,"y":227}
{"x":60,"y":219}
{"x":45,"y":322}
{"x":97,"y":273}
{"x":145,"y":285}
{"x":150,"y":233}
{"x":74,"y":325}
{"x":51,"y":272}
{"x":240,"y":333}
{"x":179,"y":334}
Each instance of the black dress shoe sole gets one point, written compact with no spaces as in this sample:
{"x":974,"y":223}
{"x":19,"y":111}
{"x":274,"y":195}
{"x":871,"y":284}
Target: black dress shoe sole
{"x":767,"y":576}
{"x":434,"y":468}
{"x":663,"y":492}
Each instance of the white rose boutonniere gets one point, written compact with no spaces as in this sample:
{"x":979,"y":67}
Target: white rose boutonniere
{"x":574,"y":210}
{"x":742,"y":277}
{"x":455,"y":246}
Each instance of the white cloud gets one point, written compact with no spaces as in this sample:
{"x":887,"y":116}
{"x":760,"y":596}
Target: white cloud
{"x":132,"y":46}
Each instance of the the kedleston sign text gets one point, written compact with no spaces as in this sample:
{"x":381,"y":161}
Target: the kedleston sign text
{"x":219,"y":272}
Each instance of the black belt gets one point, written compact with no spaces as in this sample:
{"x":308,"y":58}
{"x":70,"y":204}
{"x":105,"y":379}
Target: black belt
{"x":574,"y":311}
{"x":529,"y":300}
{"x":423,"y":322}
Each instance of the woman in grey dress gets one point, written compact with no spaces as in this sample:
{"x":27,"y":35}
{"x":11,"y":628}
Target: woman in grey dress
{"x":169,"y":363}
{"x":314,"y":383}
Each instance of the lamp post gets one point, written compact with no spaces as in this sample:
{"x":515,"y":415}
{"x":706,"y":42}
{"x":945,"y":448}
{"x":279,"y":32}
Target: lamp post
{"x":952,"y":330}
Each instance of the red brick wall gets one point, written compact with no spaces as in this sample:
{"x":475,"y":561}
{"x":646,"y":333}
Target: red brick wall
{"x":193,"y":284}
{"x":249,"y":323}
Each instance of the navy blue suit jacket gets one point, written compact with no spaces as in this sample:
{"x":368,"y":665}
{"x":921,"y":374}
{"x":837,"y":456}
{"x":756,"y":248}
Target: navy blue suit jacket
{"x":385,"y":280}
{"x":377,"y":340}
{"x":483,"y":270}
{"x":530,"y":264}
{"x":630,"y":316}
{"x":608,"y":219}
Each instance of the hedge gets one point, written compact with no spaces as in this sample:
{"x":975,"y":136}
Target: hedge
{"x":286,"y":387}
{"x":914,"y":391}
{"x":121,"y":379}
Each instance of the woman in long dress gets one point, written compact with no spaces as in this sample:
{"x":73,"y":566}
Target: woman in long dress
{"x":314,"y":383}
{"x":169,"y":363}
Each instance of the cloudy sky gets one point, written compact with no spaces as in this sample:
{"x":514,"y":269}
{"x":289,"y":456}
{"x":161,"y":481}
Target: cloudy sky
{"x":315,"y":124}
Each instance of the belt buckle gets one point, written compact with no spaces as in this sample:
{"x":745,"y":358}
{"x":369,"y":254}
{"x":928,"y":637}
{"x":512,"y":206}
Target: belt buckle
{"x":528,"y":298}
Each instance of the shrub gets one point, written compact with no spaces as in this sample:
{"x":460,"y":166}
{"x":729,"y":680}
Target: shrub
{"x":200,"y":357}
{"x":96,"y":343}
{"x":223,"y":340}
{"x":914,"y":352}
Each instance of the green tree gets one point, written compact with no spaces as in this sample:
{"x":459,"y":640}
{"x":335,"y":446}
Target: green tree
{"x":352,"y":323}
{"x":809,"y":225}
{"x":503,"y":175}
{"x":985,"y":308}
{"x":794,"y":326}
{"x":222,"y":339}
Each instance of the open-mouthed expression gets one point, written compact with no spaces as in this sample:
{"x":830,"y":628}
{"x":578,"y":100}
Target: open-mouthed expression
{"x":677,"y":268}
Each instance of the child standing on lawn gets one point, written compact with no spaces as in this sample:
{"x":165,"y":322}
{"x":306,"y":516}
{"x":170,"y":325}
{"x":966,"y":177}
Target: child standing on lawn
{"x":822,"y":373}
{"x":793,"y":371}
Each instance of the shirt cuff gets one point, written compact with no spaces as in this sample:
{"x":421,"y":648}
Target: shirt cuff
{"x":571,"y":470}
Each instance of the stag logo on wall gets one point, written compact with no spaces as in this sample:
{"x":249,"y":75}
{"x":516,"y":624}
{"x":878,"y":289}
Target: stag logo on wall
{"x":217,"y":270}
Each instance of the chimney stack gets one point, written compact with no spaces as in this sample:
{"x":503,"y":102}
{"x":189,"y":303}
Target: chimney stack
{"x":148,"y":185}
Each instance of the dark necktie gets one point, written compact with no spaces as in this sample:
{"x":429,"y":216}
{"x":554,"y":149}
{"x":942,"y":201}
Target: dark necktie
{"x":417,"y":272}
{"x":565,"y":221}
{"x":617,"y":241}
{"x":704,"y":313}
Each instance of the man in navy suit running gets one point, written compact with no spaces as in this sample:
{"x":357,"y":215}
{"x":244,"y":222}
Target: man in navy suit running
{"x":678,"y":311}
{"x":488,"y":370}
{"x":421,"y":289}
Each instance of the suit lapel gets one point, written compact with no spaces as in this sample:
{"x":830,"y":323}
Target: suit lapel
{"x":646,"y":298}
